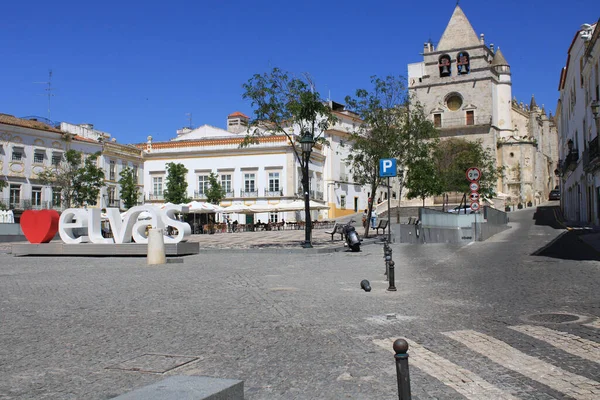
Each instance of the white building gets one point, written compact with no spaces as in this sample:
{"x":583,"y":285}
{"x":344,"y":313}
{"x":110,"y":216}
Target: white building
{"x":263,"y":173}
{"x":27,"y":147}
{"x":578,"y":126}
{"x":115,"y":157}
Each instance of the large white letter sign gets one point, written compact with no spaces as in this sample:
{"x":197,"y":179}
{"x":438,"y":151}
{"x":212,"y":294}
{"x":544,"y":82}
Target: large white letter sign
{"x":170,"y":219}
{"x":70,"y":219}
{"x":124,"y":228}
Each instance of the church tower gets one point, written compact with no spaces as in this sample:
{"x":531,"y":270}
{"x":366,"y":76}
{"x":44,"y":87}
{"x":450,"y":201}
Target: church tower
{"x":457,"y":84}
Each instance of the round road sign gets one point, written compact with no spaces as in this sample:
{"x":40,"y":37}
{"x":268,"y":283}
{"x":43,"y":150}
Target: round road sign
{"x":473,"y":174}
{"x":474,"y":206}
{"x":474,"y":196}
{"x":474,"y":186}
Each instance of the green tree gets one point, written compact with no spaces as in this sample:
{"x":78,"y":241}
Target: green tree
{"x":454,"y":156}
{"x":287,"y":105}
{"x":176,"y":186}
{"x":130,"y":191}
{"x":390,"y":128}
{"x":422,"y":179}
{"x":215,"y":192}
{"x":79,"y":181}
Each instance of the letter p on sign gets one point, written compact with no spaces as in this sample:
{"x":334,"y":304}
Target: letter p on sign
{"x":387,"y":167}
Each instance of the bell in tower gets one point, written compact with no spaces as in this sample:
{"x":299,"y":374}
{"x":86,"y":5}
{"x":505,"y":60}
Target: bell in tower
{"x":445,"y":65}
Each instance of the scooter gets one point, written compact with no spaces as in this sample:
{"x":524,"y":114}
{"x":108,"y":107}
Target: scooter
{"x":352,"y":238}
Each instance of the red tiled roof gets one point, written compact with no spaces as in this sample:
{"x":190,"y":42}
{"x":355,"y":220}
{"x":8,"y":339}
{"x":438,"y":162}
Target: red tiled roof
{"x":26,"y":123}
{"x":238,"y":114}
{"x":84,"y":139}
{"x":209,"y":142}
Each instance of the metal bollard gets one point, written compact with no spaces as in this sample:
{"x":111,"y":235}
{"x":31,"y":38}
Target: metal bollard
{"x":392,"y":287}
{"x":387,"y":256}
{"x":401,"y":350}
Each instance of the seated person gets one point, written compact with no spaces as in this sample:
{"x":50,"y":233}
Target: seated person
{"x":234,"y":226}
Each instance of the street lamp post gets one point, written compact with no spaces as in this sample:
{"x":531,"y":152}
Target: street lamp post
{"x":306,"y":142}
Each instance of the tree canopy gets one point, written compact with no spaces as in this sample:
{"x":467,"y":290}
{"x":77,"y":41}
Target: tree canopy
{"x":380,"y":134}
{"x":215,"y":192}
{"x":285,"y":104}
{"x":78,"y":180}
{"x":176,"y":187}
{"x":130,"y":191}
{"x":454,"y":156}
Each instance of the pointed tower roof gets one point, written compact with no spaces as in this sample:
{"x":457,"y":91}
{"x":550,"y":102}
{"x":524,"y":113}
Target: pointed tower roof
{"x":499,"y":59}
{"x":459,"y":33}
{"x":532,"y":104}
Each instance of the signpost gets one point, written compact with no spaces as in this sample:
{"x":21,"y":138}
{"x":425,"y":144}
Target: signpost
{"x":473,"y":176}
{"x":387,"y":168}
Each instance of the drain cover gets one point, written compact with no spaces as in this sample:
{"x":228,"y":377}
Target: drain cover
{"x":153,"y":363}
{"x":554,"y":318}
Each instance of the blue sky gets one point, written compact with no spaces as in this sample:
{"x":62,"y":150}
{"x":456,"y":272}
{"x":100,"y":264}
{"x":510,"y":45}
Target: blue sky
{"x":136,"y":68}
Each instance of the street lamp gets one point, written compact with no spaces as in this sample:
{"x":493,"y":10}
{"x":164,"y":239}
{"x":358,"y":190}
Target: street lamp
{"x":306,"y":143}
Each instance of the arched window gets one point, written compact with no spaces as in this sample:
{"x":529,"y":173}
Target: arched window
{"x":463,"y":63}
{"x":445,"y":65}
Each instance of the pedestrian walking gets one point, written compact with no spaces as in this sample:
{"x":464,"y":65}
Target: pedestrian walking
{"x":373,"y":219}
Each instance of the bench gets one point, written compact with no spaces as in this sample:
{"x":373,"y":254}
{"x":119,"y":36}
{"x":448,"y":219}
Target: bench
{"x":337,"y":229}
{"x":383,"y":224}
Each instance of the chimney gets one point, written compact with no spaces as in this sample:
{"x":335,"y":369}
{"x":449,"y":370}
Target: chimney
{"x":237,"y":122}
{"x":482,"y":38}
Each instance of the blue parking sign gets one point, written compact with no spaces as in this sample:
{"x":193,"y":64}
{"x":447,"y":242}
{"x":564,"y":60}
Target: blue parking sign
{"x":387,"y":167}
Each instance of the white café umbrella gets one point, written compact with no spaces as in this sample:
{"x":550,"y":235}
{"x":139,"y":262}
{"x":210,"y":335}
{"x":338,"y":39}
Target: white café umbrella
{"x":237,"y":208}
{"x":264,"y":208}
{"x":298,"y":205}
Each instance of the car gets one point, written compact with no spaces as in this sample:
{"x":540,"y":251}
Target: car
{"x":554,"y":195}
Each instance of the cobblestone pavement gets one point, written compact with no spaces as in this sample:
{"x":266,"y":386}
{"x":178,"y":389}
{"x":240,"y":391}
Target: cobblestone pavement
{"x":489,"y":320}
{"x":263,"y":239}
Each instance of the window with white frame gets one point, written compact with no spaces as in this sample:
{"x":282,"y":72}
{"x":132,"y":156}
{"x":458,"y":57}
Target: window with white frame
{"x":112,"y":170}
{"x":273,"y":181}
{"x":15,"y":195}
{"x":17,"y":153}
{"x":56,"y":197}
{"x":38,"y":156}
{"x":111,"y":196}
{"x":203,"y":184}
{"x":56,"y":158}
{"x":273,"y":217}
{"x":226,"y":182}
{"x":249,"y":182}
{"x":135,"y":173}
{"x":36,"y":196}
{"x":157,"y":185}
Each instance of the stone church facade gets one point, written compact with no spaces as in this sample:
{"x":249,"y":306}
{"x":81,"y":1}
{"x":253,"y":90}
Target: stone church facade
{"x":465,"y":87}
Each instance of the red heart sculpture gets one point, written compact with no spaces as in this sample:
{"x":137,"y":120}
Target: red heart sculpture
{"x":39,"y":226}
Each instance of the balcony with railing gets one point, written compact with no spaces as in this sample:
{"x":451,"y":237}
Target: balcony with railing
{"x":248,"y":193}
{"x":273,"y":193}
{"x":229,"y":195}
{"x":29,"y":204}
{"x":315,"y":194}
{"x":113,"y":203}
{"x":465,"y":121}
{"x":154,"y":197}
{"x":570,"y":162}
{"x":199,"y":195}
{"x":591,"y":155}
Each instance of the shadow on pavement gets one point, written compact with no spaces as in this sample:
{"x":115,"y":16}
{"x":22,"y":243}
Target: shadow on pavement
{"x":568,"y":247}
{"x":547,"y":215}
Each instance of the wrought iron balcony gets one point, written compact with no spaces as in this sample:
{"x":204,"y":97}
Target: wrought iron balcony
{"x":229,"y":195}
{"x":570,"y":162}
{"x":591,"y":155}
{"x":199,"y":195}
{"x":248,"y":193}
{"x":113,"y":203}
{"x":29,"y":204}
{"x":273,"y":193}
{"x":152,"y":196}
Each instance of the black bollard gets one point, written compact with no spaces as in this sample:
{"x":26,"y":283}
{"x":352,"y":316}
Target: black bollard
{"x":365,"y":285}
{"x":392,"y":287}
{"x":401,"y":350}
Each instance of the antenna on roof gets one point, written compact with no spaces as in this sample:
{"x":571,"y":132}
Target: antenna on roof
{"x":189,"y":115}
{"x":48,"y":90}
